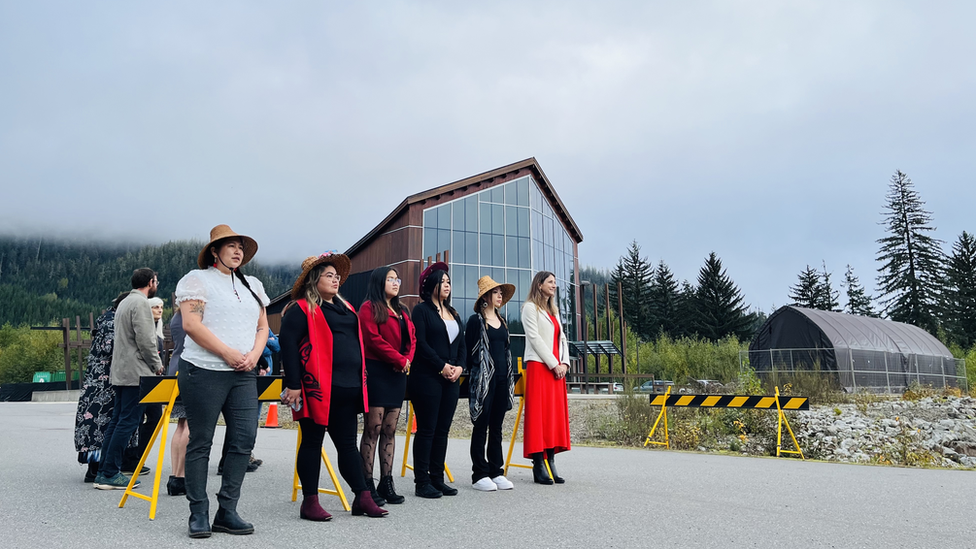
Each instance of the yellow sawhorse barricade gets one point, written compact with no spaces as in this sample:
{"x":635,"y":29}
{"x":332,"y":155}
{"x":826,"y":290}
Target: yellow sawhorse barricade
{"x":164,"y":390}
{"x":730,"y":401}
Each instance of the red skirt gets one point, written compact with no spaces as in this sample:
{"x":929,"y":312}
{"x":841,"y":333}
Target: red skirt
{"x":546,"y":411}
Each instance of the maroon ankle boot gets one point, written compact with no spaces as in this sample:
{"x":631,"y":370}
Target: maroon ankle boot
{"x":311,"y":510}
{"x":364,"y":505}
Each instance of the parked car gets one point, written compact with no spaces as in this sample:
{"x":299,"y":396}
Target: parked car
{"x":653,"y":386}
{"x":618,"y":387}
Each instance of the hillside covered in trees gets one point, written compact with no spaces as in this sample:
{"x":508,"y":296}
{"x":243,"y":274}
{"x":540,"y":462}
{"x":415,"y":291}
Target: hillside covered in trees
{"x":43,"y":280}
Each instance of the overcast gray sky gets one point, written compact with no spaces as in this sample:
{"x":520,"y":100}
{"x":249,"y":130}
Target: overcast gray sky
{"x":765,"y":131}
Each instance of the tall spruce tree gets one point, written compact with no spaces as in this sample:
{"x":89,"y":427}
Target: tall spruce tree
{"x":806,"y":293}
{"x":634,"y":274}
{"x":685,"y":310}
{"x":912,"y":260}
{"x":827,"y":295}
{"x":960,"y":291}
{"x":663,"y":302}
{"x":858,"y":301}
{"x":719,"y":309}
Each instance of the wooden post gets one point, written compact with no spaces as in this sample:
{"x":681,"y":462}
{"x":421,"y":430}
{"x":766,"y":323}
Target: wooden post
{"x":623,"y":331}
{"x":596,"y":327}
{"x":66,"y":338}
{"x":80,"y":350}
{"x":606,"y":307}
{"x":586,"y":335}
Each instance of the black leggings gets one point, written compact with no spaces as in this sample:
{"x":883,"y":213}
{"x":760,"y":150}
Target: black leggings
{"x":344,"y":407}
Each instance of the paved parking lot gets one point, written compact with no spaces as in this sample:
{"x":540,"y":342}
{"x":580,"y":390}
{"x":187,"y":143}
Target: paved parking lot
{"x":612,"y":498}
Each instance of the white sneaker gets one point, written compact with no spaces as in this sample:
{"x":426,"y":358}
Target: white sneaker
{"x":503,"y":483}
{"x":484,"y":485}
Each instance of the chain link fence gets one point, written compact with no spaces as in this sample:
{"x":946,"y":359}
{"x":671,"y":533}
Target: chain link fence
{"x":856,"y":370}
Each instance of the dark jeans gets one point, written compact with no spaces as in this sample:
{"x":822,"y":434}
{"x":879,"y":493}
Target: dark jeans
{"x":125,"y":420}
{"x":345,"y":405}
{"x":152,"y":413}
{"x":489,"y":425}
{"x":434,"y":400}
{"x":206,"y":394}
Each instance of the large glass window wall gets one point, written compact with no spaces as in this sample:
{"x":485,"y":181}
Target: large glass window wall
{"x":508,"y":232}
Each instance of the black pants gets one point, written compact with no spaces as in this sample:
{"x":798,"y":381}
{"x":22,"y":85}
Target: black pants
{"x":206,"y":394}
{"x":489,"y":425}
{"x":434,"y":400}
{"x":345,"y":405}
{"x":152,"y":413}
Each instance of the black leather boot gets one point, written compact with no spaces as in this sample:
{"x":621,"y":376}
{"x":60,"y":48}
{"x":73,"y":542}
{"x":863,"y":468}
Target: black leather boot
{"x":230,"y":522}
{"x":378,"y":499}
{"x":539,"y":473}
{"x":388,"y":492}
{"x":551,"y":458}
{"x":199,"y":525}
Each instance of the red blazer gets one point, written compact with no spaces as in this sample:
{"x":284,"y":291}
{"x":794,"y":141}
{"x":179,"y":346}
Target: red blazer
{"x":382,"y":342}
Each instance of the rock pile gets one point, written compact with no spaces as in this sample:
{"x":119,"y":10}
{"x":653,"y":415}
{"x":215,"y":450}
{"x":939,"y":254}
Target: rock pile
{"x":933,"y":431}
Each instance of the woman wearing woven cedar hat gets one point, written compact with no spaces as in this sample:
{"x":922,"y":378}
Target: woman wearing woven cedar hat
{"x":432,"y":382}
{"x":546,"y":431}
{"x":325,"y":379}
{"x":227,"y":329}
{"x":389,"y":341}
{"x":491,"y":381}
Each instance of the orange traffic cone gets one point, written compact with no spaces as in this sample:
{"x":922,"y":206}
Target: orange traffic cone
{"x":413,"y":424}
{"x":272,"y":421}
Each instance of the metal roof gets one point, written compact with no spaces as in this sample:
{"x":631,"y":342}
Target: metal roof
{"x":867,"y":333}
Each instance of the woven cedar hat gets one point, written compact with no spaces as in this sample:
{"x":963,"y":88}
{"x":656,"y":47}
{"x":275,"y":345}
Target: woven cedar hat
{"x":486,"y":284}
{"x":339,"y":261}
{"x":219,"y":233}
{"x":439,"y":266}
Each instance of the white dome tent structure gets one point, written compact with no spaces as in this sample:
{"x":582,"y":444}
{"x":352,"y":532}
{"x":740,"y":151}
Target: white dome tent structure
{"x":859,"y":352}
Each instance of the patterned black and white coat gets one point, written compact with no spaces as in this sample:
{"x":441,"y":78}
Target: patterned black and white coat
{"x":481,"y":367}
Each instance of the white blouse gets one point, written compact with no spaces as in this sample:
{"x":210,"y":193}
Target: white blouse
{"x":232,"y":318}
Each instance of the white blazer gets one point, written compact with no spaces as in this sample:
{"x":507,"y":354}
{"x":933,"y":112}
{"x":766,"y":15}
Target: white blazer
{"x":539,"y":331}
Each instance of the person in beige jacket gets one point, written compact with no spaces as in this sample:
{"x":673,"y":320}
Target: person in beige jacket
{"x":546,"y":431}
{"x":133,"y":356}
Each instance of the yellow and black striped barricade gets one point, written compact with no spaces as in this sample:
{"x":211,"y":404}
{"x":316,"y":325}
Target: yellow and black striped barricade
{"x":747,"y":402}
{"x":164,"y":390}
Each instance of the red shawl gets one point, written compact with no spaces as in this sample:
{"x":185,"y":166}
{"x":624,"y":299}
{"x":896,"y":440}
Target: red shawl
{"x":316,"y":356}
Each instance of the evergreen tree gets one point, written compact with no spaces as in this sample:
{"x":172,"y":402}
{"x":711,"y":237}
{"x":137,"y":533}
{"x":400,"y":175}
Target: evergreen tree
{"x":634,"y":274}
{"x":827,"y":295}
{"x":960,"y":292}
{"x":909,"y":277}
{"x":858,"y":301}
{"x":806,"y":293}
{"x":685,"y":310}
{"x":719,"y":309}
{"x":663,"y":302}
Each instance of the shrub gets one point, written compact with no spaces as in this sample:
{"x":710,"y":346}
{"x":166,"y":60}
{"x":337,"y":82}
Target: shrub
{"x":24,"y":351}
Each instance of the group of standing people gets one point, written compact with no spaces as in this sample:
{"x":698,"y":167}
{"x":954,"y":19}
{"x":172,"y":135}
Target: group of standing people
{"x":339,"y":363}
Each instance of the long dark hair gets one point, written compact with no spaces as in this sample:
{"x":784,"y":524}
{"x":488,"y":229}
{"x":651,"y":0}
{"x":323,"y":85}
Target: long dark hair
{"x":483,"y":304}
{"x":376,"y":295}
{"x":432,"y":285}
{"x":237,"y":272}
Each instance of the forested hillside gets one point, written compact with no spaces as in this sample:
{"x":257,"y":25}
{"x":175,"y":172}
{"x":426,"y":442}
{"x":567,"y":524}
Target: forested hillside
{"x":42,"y":280}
